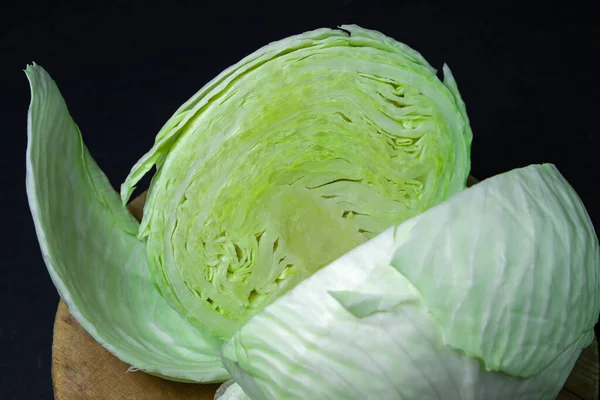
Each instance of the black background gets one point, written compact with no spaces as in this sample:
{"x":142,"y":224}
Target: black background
{"x":526,"y":72}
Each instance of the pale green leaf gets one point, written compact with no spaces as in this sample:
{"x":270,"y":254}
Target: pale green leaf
{"x":509,"y":269}
{"x":89,"y":244}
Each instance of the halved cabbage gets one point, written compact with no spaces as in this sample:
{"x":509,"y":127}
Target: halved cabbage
{"x":300,"y":152}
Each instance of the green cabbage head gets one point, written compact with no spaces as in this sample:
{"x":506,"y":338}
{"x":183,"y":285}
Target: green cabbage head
{"x":293,"y":230}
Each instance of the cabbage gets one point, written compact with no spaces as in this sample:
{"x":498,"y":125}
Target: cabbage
{"x":307,"y":231}
{"x":490,"y":295}
{"x":285,"y":161}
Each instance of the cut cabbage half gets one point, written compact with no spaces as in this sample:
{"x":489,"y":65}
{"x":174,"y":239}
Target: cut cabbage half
{"x":287,"y":160}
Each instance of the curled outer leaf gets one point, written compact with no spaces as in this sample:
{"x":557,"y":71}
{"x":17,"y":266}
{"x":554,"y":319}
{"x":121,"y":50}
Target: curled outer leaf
{"x":89,"y":244}
{"x":489,"y":295}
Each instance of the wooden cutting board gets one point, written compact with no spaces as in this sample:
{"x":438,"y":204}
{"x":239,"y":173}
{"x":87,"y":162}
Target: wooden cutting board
{"x":83,"y":369}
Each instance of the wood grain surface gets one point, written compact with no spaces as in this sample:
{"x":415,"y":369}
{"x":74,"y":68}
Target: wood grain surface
{"x":83,"y":369}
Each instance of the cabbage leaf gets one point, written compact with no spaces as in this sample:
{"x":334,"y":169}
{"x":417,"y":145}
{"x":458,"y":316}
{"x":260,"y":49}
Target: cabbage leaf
{"x":489,"y":295}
